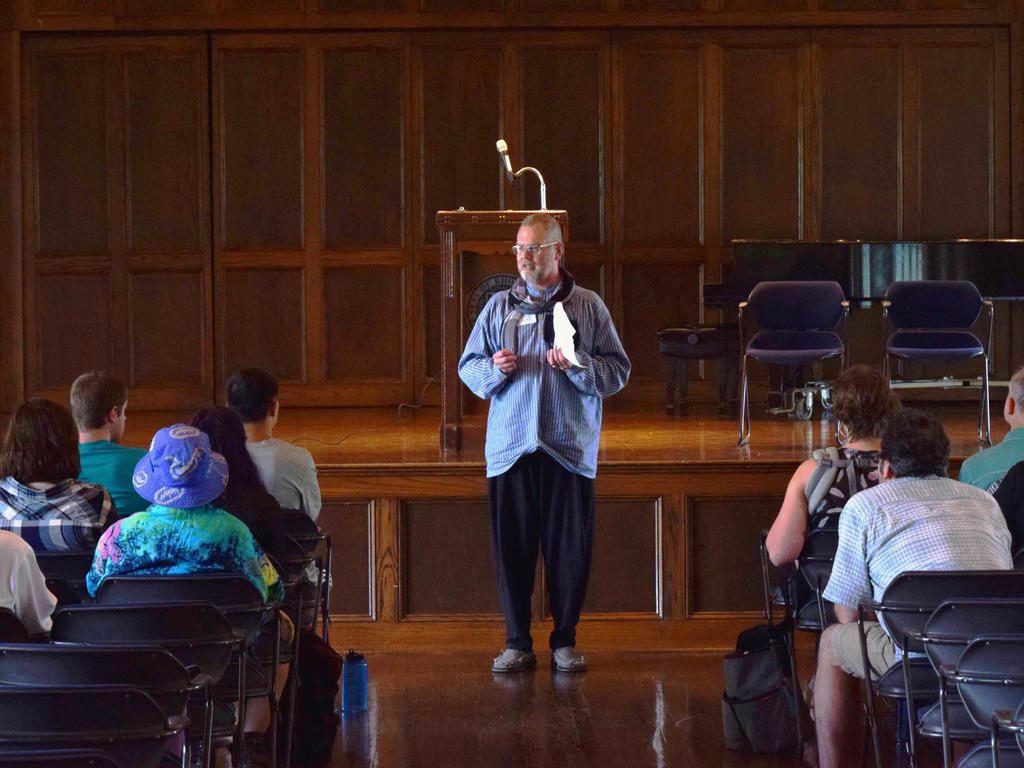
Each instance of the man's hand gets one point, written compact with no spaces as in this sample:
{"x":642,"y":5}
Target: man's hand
{"x":557,"y":360}
{"x":504,"y":361}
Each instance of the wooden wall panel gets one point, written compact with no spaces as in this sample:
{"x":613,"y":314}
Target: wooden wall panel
{"x":662,"y":5}
{"x":340,"y":6}
{"x":431,"y":323}
{"x":625,"y":576}
{"x":563,"y":133}
{"x":168,"y":345}
{"x":261,"y":6}
{"x":955,"y":135}
{"x":70,"y":173}
{"x":447,"y":559}
{"x":660,"y":145}
{"x":860,"y":141}
{"x":364,"y":322}
{"x":74,"y":326}
{"x":722,"y":554}
{"x":260,"y":149}
{"x":859,"y":5}
{"x":448,"y":6}
{"x":165,"y":201}
{"x":363,"y":119}
{"x":642,"y":318}
{"x":164,"y":7}
{"x":265,"y":324}
{"x":461,"y":97}
{"x":350,"y":525}
{"x":761,"y":119}
{"x":12,"y":372}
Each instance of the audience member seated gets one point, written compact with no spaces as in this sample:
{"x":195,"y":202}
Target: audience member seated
{"x":98,"y":404}
{"x":182,"y":532}
{"x":916,"y":519}
{"x":288,"y":471}
{"x":40,"y":498}
{"x":245,"y":497}
{"x":986,"y":468}
{"x":822,"y":484}
{"x":23,"y":586}
{"x":1010,"y":497}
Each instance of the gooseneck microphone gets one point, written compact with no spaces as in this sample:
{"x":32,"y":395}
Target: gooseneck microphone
{"x":512,"y":176}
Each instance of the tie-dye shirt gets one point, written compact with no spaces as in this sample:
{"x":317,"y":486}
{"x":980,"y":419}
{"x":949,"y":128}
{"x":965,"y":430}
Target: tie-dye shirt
{"x":166,"y":541}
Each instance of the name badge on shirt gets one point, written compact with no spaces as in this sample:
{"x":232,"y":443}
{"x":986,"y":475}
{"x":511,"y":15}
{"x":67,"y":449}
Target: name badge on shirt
{"x":528,"y":320}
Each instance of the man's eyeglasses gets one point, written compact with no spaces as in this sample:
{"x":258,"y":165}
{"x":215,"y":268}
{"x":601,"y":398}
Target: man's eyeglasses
{"x":533,"y":250}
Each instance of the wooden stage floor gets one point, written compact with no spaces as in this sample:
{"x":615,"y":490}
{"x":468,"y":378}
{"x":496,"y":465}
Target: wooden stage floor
{"x":643,"y":435}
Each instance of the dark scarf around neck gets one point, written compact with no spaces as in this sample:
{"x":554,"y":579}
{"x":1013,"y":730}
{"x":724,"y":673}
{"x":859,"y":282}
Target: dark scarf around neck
{"x":525,"y":304}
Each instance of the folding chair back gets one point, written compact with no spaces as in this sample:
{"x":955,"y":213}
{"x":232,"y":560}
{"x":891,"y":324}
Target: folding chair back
{"x":911,"y":598}
{"x":197,"y":635}
{"x":990,"y":676}
{"x":155,"y":670}
{"x":234,"y":594}
{"x":65,"y":574}
{"x":59,"y":758}
{"x":125,"y":722}
{"x":956,"y":622}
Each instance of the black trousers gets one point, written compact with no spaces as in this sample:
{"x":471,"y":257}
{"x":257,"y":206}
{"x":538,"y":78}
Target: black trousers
{"x":539,"y":503}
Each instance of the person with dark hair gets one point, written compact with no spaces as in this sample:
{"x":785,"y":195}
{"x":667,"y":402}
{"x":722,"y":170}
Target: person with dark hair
{"x":287,"y":470}
{"x":244,"y":497}
{"x":822,"y":484}
{"x":916,"y":519}
{"x":40,"y":498}
{"x":98,"y":405}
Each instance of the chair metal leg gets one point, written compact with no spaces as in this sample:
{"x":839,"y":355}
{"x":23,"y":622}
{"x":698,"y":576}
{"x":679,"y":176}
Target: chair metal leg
{"x":869,"y":694}
{"x":911,"y":716}
{"x":744,"y":406}
{"x":985,"y":416}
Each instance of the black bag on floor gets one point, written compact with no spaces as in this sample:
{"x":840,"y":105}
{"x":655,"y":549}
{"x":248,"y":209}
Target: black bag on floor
{"x":759,"y":706}
{"x":316,"y":722}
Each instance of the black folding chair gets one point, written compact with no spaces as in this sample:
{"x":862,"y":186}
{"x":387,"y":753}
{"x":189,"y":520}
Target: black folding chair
{"x":990,"y":678}
{"x":65,"y":574}
{"x":153,"y":669}
{"x":59,"y":758}
{"x":949,"y":630}
{"x":815,"y":562}
{"x":300,"y":527}
{"x":199,"y":636}
{"x":124,"y":722}
{"x":242,"y":603}
{"x":904,"y":610}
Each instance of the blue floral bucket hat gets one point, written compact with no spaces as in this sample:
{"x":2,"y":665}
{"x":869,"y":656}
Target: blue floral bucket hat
{"x":180,"y":470}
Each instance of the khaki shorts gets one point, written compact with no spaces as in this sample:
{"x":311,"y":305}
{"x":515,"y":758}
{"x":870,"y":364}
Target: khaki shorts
{"x":846,"y":646}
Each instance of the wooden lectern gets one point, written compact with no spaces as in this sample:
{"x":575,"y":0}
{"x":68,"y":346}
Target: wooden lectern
{"x":476,"y":261}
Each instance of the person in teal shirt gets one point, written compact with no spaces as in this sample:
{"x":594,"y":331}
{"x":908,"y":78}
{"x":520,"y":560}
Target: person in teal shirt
{"x":986,"y":468}
{"x":98,"y":404}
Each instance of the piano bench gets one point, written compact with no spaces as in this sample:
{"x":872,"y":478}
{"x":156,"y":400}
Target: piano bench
{"x":719,"y":341}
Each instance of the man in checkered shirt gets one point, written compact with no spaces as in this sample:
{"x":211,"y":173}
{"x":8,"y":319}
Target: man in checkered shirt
{"x":916,"y":519}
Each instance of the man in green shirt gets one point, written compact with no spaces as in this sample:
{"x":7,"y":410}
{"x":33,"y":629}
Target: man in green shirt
{"x":98,"y":403}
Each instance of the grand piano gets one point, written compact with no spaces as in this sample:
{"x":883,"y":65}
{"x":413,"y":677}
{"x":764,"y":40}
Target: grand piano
{"x":864,"y":269}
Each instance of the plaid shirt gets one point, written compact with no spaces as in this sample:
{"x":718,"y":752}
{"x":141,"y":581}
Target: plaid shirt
{"x":70,"y":515}
{"x":914,"y":524}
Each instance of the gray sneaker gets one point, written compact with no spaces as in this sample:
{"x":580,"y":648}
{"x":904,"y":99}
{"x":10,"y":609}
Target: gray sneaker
{"x":568,"y":659}
{"x":512,"y":660}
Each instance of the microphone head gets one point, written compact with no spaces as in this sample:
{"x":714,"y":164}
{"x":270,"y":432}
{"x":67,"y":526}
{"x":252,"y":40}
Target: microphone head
{"x":502,"y":146}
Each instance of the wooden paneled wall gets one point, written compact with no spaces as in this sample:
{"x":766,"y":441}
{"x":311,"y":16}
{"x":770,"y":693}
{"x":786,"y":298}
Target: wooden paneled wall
{"x":193,"y":202}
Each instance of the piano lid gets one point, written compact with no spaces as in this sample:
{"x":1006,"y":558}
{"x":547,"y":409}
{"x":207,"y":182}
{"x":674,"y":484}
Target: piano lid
{"x":866,"y":268}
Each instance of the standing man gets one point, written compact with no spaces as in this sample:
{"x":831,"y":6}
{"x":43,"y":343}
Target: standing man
{"x":543,"y":429}
{"x":98,"y":404}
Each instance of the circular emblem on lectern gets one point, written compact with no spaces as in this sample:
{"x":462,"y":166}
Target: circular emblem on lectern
{"x":482,"y":292}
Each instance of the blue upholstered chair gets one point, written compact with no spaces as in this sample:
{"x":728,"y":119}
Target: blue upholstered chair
{"x":797,"y":323}
{"x":930,"y":321}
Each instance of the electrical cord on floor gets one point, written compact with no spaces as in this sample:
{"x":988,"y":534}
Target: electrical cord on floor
{"x":398,"y":415}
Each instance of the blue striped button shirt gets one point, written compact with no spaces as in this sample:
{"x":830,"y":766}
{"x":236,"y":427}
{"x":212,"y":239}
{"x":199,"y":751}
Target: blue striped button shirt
{"x":914,"y":524}
{"x":538,"y":406}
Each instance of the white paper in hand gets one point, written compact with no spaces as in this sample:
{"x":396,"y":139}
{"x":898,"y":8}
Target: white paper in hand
{"x":564,"y":333}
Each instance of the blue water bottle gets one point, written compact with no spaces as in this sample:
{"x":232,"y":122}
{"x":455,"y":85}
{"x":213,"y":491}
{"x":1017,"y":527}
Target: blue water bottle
{"x":354,"y":676}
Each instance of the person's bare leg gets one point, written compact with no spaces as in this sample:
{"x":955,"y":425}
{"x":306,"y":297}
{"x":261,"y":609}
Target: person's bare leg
{"x":257,"y":711}
{"x":836,"y":707}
